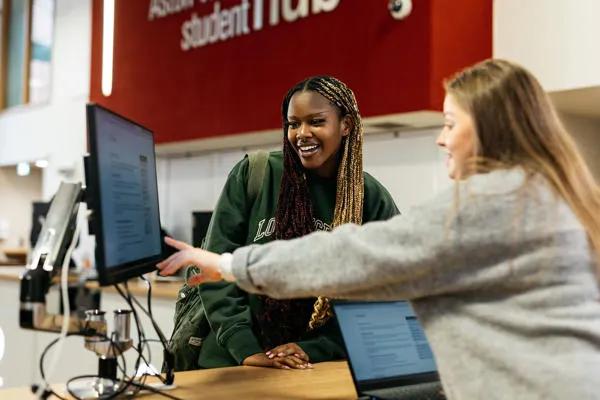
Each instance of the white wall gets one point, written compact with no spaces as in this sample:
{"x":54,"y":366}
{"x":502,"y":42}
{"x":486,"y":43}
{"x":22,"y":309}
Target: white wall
{"x":18,"y":192}
{"x":56,"y":131}
{"x":556,"y":39}
{"x":410,"y":166}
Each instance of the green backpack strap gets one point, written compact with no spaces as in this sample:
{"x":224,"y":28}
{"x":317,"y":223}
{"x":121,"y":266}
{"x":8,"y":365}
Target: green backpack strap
{"x":191,"y":325}
{"x":258,"y":161}
{"x":257,"y":165}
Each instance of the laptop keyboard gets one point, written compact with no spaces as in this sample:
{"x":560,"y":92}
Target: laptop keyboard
{"x":421,"y":391}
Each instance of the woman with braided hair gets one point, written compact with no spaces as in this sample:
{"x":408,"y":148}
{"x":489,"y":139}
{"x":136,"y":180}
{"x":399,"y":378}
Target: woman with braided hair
{"x":316,"y":183}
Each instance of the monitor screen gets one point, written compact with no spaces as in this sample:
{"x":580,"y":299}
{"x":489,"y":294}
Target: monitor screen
{"x":384,"y":340}
{"x":123,"y":195}
{"x":200,"y":224}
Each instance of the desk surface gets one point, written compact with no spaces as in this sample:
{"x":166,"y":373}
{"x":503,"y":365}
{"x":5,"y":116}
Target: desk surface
{"x":331,"y":380}
{"x":166,"y":290}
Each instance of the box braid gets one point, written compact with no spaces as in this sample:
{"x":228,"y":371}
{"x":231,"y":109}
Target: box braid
{"x":294,"y":213}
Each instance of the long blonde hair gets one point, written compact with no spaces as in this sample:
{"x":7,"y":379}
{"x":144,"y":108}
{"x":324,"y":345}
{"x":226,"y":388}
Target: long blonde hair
{"x":517,"y":125}
{"x":350,"y":179}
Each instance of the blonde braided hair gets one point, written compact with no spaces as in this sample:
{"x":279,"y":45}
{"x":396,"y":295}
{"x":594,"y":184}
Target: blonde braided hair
{"x":282,"y":319}
{"x":350,"y":179}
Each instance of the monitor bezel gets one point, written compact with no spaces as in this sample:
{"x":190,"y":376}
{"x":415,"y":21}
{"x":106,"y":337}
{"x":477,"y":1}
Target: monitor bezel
{"x":122,"y":272}
{"x":366,"y":385}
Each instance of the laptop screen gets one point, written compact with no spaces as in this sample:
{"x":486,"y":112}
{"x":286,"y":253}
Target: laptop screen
{"x":384,"y":340}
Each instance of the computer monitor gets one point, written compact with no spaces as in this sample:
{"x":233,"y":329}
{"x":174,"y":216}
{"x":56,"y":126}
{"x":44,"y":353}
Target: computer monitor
{"x":122,"y":193}
{"x":200,"y":223}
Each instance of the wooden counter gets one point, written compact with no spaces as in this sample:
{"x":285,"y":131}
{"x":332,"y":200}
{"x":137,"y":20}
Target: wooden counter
{"x":160,"y":289}
{"x":15,"y":256}
{"x":331,"y":380}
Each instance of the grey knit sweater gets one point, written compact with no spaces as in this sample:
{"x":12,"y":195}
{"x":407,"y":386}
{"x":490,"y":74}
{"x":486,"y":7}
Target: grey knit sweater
{"x":499,"y":272}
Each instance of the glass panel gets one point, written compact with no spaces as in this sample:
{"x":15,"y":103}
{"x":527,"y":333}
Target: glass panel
{"x":1,"y":43}
{"x":16,"y":63}
{"x":42,"y":34}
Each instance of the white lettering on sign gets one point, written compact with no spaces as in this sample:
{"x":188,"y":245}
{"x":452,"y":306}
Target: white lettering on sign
{"x":242,"y":19}
{"x":162,"y":8}
{"x":218,"y":26}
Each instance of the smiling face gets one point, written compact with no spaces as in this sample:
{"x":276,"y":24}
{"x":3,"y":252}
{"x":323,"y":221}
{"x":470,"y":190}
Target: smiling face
{"x":315,"y":131}
{"x":458,"y":138}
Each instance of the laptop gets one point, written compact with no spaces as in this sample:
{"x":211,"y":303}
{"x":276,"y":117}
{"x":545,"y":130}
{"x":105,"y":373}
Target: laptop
{"x":388,"y":353}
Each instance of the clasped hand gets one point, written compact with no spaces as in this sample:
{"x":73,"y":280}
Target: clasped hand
{"x":207,"y":262}
{"x":286,"y":356}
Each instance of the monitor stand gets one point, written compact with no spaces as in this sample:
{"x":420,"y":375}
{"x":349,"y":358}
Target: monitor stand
{"x":96,"y":387}
{"x":106,"y":385}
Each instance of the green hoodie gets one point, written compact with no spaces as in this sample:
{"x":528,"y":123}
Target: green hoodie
{"x":236,"y":223}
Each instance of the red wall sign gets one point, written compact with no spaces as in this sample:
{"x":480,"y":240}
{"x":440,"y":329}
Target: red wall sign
{"x":205,"y":68}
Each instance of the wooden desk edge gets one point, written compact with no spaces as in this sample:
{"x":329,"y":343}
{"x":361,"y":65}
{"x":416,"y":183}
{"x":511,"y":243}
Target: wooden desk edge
{"x":332,"y":382}
{"x":162,"y":290}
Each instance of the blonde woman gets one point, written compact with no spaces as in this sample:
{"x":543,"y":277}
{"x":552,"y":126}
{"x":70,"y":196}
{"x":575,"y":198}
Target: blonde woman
{"x":501,"y":270}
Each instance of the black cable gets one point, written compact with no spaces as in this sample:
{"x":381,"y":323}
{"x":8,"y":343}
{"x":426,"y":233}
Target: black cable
{"x":123,"y":368}
{"x":168,"y":354}
{"x":130,"y":299}
{"x":159,"y":332}
{"x":147,"y":343}
{"x":165,"y":379}
{"x":43,"y":373}
{"x":141,"y":335}
{"x":140,"y":330}
{"x":48,"y":389}
{"x":43,"y":356}
{"x":83,"y":330}
{"x":143,"y":340}
{"x":144,"y":377}
{"x":146,"y":340}
{"x":149,"y":297}
{"x":157,"y":391}
{"x":149,"y":314}
{"x":70,"y":381}
{"x":157,"y":329}
{"x":148,"y":363}
{"x":126,"y":384}
{"x":46,"y":393}
{"x":127,"y":380}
